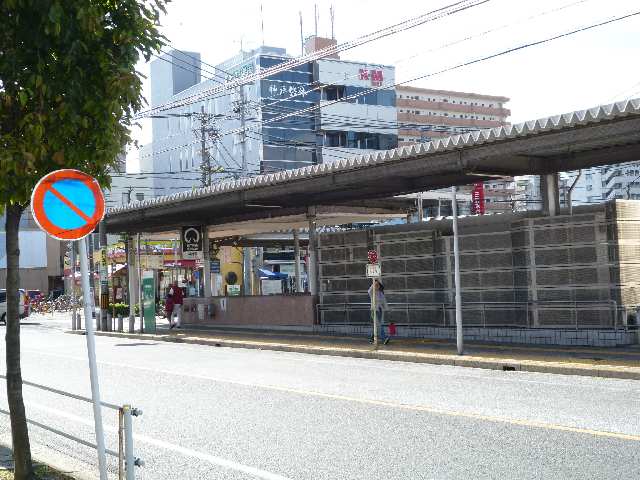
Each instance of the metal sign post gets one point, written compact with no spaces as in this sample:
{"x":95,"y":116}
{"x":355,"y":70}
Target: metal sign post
{"x":456,"y":272}
{"x":91,"y":350}
{"x":74,"y":323}
{"x":374,"y":271}
{"x":68,"y":205}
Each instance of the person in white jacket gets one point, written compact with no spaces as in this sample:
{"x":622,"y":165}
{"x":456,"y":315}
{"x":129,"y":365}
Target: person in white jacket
{"x":381,"y":306}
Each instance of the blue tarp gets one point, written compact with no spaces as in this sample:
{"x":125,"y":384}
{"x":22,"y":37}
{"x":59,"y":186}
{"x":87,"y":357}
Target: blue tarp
{"x":264,"y":273}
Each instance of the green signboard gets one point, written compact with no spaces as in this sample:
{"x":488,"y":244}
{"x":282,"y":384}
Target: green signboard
{"x":149,"y":301}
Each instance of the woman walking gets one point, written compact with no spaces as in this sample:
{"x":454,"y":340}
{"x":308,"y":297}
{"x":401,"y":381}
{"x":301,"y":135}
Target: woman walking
{"x":381,"y":305}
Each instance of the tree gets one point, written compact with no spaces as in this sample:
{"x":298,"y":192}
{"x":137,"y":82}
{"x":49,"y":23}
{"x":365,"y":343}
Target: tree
{"x":68,"y":93}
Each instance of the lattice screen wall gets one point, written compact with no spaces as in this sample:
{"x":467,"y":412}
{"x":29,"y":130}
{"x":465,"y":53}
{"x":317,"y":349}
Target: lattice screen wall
{"x":529,"y":260}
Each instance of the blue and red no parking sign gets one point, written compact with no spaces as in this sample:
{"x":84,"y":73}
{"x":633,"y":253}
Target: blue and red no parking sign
{"x":67,"y":204}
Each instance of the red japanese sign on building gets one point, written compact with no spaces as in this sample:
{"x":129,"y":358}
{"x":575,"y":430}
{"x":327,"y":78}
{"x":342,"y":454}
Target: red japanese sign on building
{"x":477,"y":198}
{"x":376,"y":76}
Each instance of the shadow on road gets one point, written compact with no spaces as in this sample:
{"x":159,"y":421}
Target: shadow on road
{"x":134,"y":344}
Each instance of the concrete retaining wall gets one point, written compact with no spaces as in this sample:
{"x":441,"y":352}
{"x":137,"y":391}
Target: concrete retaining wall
{"x":267,"y":310}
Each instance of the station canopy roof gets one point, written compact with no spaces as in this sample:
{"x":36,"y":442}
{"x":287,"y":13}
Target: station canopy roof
{"x":600,"y":135}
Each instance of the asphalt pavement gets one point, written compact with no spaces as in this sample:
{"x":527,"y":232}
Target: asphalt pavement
{"x":230,"y":413}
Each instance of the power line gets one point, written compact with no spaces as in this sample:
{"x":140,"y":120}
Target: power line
{"x":408,"y":126}
{"x":446,"y":45}
{"x":331,"y":50}
{"x":448,"y":69}
{"x":195,"y":68}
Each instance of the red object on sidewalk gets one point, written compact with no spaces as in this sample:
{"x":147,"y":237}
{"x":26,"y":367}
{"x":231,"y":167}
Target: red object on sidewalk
{"x":392,"y":329}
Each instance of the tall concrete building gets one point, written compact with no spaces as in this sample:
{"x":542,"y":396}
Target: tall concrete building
{"x":588,"y":188}
{"x":425,"y":115}
{"x":352,"y":119}
{"x":621,"y":181}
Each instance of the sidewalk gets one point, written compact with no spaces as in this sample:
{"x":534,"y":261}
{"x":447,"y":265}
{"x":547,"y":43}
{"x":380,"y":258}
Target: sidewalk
{"x":595,"y":362}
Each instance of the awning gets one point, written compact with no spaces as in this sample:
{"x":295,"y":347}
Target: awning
{"x":264,"y":273}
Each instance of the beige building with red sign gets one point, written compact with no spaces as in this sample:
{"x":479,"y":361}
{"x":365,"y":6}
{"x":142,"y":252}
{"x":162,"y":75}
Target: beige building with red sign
{"x":425,"y":115}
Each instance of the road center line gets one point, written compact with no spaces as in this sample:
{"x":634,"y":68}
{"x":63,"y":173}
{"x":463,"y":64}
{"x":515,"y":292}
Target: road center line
{"x":188,"y":452}
{"x":514,"y":377}
{"x":388,"y":404}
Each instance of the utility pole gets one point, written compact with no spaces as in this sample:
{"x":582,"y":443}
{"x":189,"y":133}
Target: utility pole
{"x":246,"y":251}
{"x":205,"y":163}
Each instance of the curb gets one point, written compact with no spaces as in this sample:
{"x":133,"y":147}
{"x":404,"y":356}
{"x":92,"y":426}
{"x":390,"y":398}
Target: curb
{"x":537,"y":366}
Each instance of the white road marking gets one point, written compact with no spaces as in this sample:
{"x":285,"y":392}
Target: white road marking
{"x":188,"y":452}
{"x":391,"y":404}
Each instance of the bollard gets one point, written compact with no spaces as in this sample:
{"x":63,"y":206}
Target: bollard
{"x":128,"y":443}
{"x":109,"y":324}
{"x":132,"y":324}
{"x":78,"y":321}
{"x":130,"y":461}
{"x":120,"y":323}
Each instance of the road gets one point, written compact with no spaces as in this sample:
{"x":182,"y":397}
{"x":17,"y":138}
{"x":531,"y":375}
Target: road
{"x":219,"y":413}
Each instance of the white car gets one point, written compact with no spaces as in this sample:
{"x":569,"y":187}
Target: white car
{"x":3,"y":305}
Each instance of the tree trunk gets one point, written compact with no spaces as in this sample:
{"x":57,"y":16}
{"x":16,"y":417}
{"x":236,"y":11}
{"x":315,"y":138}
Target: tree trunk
{"x":19,"y":430}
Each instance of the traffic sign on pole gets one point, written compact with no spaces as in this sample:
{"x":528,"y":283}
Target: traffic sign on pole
{"x":67,"y":204}
{"x":373,"y":270}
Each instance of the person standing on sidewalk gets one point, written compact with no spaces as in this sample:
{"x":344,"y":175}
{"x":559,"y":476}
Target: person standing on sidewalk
{"x":176,"y":293}
{"x":381,"y":306}
{"x":168,"y":307}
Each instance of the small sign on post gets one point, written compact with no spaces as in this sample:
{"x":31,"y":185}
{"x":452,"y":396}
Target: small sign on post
{"x":68,"y":205}
{"x":192,"y":242}
{"x":373,"y":270}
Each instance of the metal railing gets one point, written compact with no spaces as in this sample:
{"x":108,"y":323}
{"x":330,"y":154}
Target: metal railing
{"x":125,"y":456}
{"x":538,"y":314}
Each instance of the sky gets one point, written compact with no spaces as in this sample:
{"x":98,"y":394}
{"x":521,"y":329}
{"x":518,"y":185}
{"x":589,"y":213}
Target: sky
{"x":576,"y":72}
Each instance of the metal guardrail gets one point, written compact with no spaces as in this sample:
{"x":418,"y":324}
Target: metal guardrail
{"x":483,"y":314}
{"x":126,"y":459}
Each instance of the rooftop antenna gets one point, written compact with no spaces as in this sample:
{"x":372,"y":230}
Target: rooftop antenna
{"x":301,"y":35}
{"x":262,"y":24}
{"x":315,"y":16}
{"x":332,"y":13}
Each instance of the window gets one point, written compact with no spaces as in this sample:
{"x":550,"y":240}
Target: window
{"x":589,"y":188}
{"x":588,"y":177}
{"x":333,"y":93}
{"x":140,"y":196}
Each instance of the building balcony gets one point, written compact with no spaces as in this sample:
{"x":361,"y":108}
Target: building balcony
{"x":448,"y":120}
{"x":453,"y":107}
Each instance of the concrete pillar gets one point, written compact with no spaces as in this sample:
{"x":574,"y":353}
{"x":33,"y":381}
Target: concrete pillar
{"x":550,"y":194}
{"x":104,"y":279}
{"x":296,"y":254}
{"x":246,"y":271}
{"x":532,"y":307}
{"x":132,"y":274}
{"x":139,"y":264}
{"x":206,"y":263}
{"x":313,"y":255}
